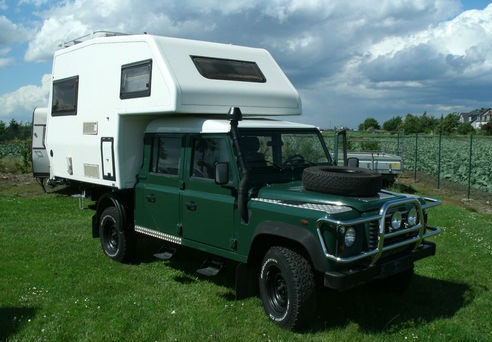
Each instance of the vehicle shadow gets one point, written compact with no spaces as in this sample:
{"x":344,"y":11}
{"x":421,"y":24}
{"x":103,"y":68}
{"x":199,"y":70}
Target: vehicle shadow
{"x":426,"y":299}
{"x":374,"y":311}
{"x":12,"y":319}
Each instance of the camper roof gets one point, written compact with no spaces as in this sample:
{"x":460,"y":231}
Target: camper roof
{"x":194,"y":77}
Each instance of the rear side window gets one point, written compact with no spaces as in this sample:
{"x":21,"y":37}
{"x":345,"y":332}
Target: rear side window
{"x":136,"y":79}
{"x":65,"y":96}
{"x":228,"y":69}
{"x":166,"y":155}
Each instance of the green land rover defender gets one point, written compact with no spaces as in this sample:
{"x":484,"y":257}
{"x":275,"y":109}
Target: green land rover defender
{"x":265,"y":194}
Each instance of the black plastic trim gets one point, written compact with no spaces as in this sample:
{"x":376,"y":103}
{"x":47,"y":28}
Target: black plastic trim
{"x":343,"y":280}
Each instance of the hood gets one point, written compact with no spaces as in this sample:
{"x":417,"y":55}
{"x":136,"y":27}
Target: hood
{"x":295,"y":193}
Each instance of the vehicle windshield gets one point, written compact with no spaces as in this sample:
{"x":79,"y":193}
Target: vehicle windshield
{"x":282,"y":154}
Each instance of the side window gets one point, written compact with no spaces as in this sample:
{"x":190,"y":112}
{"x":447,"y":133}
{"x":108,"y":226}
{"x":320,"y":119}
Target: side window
{"x":136,"y":79}
{"x":207,"y":152}
{"x":166,"y":155}
{"x":65,"y":94}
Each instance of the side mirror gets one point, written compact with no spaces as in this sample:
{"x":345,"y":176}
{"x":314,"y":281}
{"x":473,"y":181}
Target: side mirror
{"x":221,"y":173}
{"x":353,"y":162}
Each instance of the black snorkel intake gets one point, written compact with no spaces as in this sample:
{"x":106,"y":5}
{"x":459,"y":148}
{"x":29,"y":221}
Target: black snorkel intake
{"x":234,"y":116}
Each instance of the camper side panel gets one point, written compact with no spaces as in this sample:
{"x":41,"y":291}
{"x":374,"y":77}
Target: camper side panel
{"x":86,"y":140}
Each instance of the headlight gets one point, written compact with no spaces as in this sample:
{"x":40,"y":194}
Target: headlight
{"x":412,"y":217}
{"x":350,"y":237}
{"x":396,"y":220}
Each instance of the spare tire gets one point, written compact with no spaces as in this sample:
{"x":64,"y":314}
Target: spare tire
{"x":342,"y":180}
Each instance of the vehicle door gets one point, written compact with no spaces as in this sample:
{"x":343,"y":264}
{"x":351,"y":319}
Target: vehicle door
{"x":208,"y":208}
{"x":158,"y":193}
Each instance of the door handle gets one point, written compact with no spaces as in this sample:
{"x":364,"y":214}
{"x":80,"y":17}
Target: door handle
{"x":191,"y":205}
{"x":150,"y":198}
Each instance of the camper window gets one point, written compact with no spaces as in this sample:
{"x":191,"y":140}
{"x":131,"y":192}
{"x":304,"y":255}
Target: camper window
{"x":136,"y":79}
{"x":228,"y":69}
{"x":64,"y":101}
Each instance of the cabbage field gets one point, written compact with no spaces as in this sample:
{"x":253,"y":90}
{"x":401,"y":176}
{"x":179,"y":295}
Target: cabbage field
{"x":12,"y":150}
{"x":454,"y":159}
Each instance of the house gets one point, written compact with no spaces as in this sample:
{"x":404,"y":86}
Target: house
{"x":477,"y":118}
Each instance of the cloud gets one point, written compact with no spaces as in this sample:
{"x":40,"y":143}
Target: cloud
{"x":21,"y":103}
{"x":353,"y":58}
{"x":10,"y":32}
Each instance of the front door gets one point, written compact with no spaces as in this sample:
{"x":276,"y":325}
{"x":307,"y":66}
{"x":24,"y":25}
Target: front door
{"x":208,"y":208}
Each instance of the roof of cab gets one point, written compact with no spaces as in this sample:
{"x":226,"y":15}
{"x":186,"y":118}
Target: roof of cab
{"x":204,"y":125}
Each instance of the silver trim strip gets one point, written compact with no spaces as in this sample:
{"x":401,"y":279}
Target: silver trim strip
{"x":159,"y":235}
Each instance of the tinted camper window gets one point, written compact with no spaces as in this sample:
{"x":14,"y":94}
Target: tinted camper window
{"x":228,"y":69}
{"x":65,"y":93}
{"x":136,"y":79}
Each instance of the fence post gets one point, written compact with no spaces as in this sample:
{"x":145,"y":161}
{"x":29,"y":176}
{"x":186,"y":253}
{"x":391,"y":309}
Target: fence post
{"x":470,"y":165}
{"x":398,"y":144}
{"x":439,"y":161}
{"x":416,"y":155}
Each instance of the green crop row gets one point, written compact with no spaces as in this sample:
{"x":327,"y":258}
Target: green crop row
{"x":12,"y":150}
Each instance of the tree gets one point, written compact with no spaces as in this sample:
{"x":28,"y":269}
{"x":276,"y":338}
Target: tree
{"x":2,"y":130}
{"x":428,"y":123}
{"x":393,"y":124}
{"x":450,"y":123}
{"x":412,"y":124}
{"x":368,"y":124}
{"x":465,"y":128}
{"x":487,"y":128}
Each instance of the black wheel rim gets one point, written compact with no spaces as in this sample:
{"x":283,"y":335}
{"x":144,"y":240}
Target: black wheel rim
{"x":110,"y":236}
{"x":277,"y":291}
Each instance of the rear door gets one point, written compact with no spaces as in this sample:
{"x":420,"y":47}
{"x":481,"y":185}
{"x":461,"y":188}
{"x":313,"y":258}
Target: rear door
{"x":158,"y":192}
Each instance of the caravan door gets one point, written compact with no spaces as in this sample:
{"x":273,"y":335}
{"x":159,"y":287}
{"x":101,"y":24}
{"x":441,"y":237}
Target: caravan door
{"x":40,"y":161}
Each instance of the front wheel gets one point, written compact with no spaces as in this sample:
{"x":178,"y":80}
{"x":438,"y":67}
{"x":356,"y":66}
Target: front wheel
{"x":116,"y":241}
{"x":287,"y":288}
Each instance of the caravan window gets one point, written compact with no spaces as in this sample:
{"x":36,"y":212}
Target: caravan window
{"x":136,"y":79}
{"x":228,"y":69}
{"x":65,"y":93}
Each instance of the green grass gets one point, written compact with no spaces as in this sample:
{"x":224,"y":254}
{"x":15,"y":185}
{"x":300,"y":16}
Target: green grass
{"x":56,"y":285}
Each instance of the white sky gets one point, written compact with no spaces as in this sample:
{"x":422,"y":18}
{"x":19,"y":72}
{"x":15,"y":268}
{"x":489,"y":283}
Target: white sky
{"x":348,"y":59}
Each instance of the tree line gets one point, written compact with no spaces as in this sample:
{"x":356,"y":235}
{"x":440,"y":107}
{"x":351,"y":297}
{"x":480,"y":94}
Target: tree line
{"x":14,"y":130}
{"x":411,"y":124}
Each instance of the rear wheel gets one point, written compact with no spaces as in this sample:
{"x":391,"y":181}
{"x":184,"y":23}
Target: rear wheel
{"x":115,"y":240}
{"x":287,"y":288}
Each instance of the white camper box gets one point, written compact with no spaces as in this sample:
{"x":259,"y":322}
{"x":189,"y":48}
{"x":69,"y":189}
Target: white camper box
{"x":106,"y":90}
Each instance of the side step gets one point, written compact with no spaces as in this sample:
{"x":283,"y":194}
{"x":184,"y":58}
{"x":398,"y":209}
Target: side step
{"x":210,"y":268}
{"x":166,"y":253}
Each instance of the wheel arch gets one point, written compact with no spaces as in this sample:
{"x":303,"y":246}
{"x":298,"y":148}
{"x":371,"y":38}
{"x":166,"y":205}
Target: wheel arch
{"x":273,"y":233}
{"x":122,"y":201}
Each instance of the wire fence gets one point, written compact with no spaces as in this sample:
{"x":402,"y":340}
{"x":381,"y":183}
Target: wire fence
{"x":460,"y":163}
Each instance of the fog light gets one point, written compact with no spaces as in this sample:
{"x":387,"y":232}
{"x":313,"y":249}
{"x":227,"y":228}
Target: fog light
{"x":350,"y":236}
{"x":396,"y":220}
{"x":412,"y":217}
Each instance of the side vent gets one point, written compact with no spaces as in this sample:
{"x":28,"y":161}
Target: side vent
{"x":91,"y":170}
{"x":89,"y":128}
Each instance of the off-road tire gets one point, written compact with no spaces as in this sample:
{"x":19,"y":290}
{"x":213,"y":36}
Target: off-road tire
{"x":342,"y":180}
{"x":287,"y":288}
{"x":117,"y":242}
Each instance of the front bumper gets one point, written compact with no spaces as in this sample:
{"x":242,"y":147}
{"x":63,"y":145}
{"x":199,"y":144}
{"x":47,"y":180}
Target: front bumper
{"x":346,"y":279}
{"x":423,"y":230}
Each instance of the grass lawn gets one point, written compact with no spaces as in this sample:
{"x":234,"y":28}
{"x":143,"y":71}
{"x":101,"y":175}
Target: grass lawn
{"x":56,"y":285}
